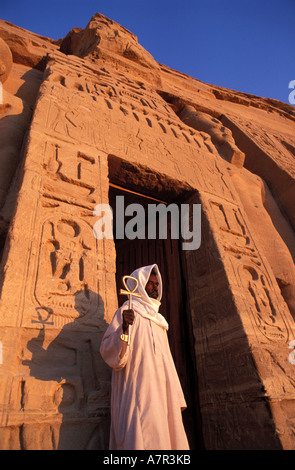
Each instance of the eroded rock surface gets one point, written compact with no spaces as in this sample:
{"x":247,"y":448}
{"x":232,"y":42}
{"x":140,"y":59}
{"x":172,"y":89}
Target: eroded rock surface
{"x":94,"y":110}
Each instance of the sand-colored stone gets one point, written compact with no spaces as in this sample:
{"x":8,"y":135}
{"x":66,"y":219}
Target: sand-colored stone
{"x":6,"y":61}
{"x":95,"y":109}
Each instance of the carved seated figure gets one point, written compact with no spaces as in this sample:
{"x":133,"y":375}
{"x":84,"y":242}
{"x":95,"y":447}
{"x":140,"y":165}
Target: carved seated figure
{"x":221,"y":136}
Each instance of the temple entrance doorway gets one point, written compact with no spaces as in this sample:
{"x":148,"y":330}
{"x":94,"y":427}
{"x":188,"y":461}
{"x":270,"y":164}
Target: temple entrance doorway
{"x":132,"y":254}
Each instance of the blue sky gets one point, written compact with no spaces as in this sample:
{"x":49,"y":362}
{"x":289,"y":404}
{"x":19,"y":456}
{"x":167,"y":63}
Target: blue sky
{"x":243,"y":45}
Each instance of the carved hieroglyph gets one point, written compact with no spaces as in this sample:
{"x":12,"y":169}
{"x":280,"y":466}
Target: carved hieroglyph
{"x":94,"y":98}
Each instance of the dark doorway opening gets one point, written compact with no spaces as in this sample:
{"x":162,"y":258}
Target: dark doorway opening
{"x":131,"y":254}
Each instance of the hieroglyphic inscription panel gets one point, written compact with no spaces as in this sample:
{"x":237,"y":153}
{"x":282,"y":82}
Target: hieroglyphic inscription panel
{"x":68,"y":257}
{"x":249,"y":270}
{"x":236,"y":310}
{"x":124,"y":117}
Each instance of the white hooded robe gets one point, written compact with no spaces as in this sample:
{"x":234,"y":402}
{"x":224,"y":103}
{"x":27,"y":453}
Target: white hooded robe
{"x":146,"y":393}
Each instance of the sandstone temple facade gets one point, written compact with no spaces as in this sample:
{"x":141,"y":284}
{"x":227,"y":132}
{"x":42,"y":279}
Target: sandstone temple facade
{"x":93,"y":116}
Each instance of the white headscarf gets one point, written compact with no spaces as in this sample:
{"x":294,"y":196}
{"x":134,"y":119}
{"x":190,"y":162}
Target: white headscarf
{"x":147,"y":306}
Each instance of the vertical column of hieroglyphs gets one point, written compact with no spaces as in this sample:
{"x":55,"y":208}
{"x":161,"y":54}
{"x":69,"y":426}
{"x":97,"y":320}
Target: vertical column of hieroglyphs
{"x":264,"y":314}
{"x":57,"y":392}
{"x":243,"y":329}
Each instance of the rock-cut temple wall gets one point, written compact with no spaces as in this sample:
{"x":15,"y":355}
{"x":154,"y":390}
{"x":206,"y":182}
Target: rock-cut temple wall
{"x":92,"y":114}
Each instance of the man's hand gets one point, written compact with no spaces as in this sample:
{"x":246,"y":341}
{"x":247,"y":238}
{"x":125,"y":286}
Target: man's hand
{"x":128,"y":319}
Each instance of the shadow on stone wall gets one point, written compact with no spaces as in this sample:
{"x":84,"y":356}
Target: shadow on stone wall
{"x":76,"y":390}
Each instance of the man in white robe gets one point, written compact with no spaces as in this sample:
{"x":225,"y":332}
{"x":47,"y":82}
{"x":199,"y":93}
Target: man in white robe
{"x":147,"y":398}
